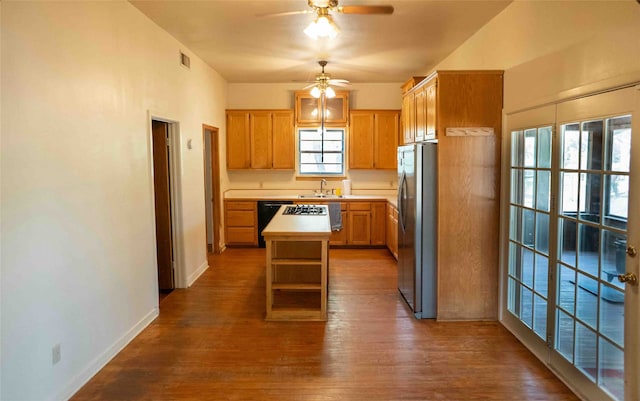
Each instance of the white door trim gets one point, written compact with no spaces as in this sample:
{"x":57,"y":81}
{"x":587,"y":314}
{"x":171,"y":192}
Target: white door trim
{"x":175,"y":174}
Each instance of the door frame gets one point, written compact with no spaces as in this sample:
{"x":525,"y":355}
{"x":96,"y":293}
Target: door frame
{"x":632,"y":340}
{"x":215,"y":183}
{"x":175,"y":191}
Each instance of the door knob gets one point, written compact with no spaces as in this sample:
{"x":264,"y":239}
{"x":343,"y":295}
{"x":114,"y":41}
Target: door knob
{"x":632,"y":251}
{"x":628,"y":278}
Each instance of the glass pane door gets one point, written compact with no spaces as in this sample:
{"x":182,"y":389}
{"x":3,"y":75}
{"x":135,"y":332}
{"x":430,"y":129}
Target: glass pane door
{"x":529,"y":208}
{"x":572,"y":176}
{"x":592,"y":236}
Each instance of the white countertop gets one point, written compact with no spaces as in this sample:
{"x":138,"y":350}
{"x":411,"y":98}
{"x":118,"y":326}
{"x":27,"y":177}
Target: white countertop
{"x":298,"y":225}
{"x":264,"y":194}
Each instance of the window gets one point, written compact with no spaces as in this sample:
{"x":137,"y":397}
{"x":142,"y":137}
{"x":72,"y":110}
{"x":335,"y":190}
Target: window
{"x":321,"y":154}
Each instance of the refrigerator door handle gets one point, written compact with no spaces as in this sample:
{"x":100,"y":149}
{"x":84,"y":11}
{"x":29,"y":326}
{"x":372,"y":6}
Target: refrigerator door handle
{"x":402,"y":202}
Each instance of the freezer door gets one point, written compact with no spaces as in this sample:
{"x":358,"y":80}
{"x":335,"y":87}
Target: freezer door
{"x":428,"y":231}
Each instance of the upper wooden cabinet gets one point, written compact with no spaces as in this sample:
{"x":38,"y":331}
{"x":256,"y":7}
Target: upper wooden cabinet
{"x":309,"y":112}
{"x":409,"y":110}
{"x":424,"y":109}
{"x":423,"y":105}
{"x":238,"y":140}
{"x":284,"y":142}
{"x":408,"y":118}
{"x":430,"y":110}
{"x":420,"y":111}
{"x":260,"y":139}
{"x":373,"y":139}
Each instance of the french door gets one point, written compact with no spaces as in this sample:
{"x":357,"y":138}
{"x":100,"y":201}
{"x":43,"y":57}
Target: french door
{"x":572,"y":230}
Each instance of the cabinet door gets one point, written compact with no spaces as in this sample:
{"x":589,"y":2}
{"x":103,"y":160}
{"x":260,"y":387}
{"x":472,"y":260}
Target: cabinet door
{"x":238,"y":140}
{"x":378,"y":214}
{"x":359,"y":223}
{"x":431,"y":112}
{"x":337,"y":108}
{"x":361,"y":140}
{"x":408,"y":118}
{"x":308,"y":109}
{"x":360,"y":228}
{"x":341,"y":237}
{"x":385,"y":141}
{"x":392,"y":230}
{"x":283,"y":140}
{"x":261,"y":140}
{"x":421,"y":114}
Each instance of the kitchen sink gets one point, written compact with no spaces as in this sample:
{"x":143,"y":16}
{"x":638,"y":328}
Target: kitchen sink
{"x":319,"y":196}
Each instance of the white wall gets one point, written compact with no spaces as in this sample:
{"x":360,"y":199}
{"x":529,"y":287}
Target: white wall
{"x":281,"y":96}
{"x":556,"y":49}
{"x":78,"y":247}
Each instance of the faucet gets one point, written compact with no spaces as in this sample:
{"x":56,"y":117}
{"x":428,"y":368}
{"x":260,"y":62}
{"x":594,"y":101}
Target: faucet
{"x":322,"y":183}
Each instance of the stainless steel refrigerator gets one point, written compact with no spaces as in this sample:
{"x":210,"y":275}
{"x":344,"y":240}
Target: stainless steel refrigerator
{"x":417,"y":232}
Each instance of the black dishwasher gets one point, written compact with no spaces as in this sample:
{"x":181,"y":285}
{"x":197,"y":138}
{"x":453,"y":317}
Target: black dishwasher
{"x":266,"y":211}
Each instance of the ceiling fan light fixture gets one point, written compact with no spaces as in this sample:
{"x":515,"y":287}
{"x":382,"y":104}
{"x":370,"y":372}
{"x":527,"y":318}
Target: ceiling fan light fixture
{"x":316,"y":92}
{"x":322,"y":27}
{"x":329,"y":92}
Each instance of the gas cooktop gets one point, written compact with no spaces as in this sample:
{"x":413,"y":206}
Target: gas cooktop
{"x":306,"y":210}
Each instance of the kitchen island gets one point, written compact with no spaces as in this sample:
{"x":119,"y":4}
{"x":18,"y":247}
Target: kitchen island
{"x":297,"y":263}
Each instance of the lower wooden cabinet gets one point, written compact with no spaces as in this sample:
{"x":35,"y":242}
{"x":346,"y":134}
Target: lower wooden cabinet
{"x":378,"y":223}
{"x":363,"y":223}
{"x":241,"y":223}
{"x":359,"y":223}
{"x":341,"y":237}
{"x":392,"y":230}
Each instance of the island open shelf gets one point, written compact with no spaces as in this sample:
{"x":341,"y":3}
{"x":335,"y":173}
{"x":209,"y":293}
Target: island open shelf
{"x":297,"y":265}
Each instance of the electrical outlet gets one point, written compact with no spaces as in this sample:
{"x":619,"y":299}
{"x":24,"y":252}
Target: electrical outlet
{"x":56,"y":354}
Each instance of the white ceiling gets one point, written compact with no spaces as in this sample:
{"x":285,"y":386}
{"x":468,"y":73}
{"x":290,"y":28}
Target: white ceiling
{"x":244,"y":46}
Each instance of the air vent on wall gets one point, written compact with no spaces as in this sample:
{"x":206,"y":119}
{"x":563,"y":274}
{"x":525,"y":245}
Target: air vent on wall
{"x":185,"y":60}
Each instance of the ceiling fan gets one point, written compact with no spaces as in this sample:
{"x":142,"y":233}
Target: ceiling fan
{"x":323,"y":82}
{"x":323,"y":25}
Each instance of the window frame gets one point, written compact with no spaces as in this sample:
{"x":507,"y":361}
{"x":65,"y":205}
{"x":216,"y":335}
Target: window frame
{"x":300,"y":152}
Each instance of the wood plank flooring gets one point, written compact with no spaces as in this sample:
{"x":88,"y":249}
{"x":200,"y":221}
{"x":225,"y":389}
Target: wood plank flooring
{"x":211,"y":342}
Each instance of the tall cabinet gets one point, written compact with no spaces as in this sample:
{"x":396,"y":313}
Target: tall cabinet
{"x":462,"y":110}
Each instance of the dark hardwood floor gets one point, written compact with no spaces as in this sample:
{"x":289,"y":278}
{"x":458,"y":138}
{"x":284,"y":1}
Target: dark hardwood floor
{"x":210,"y":342}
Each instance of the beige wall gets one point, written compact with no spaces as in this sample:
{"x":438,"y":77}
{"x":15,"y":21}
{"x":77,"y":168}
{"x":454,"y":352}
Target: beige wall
{"x":78,"y":241}
{"x":281,"y":96}
{"x":556,"y":49}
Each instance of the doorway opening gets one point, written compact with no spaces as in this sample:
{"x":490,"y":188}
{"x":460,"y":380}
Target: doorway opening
{"x":212,"y":187}
{"x":163,"y":205}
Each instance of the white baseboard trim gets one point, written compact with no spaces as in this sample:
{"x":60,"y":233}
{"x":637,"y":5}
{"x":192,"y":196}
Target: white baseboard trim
{"x":101,"y":360}
{"x":195,"y":275}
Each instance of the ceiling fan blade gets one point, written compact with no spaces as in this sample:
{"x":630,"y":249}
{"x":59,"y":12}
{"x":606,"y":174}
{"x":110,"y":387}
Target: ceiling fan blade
{"x":284,"y":13}
{"x":338,"y":81}
{"x":366,"y":9}
{"x":343,"y":84}
{"x":309,"y":86}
